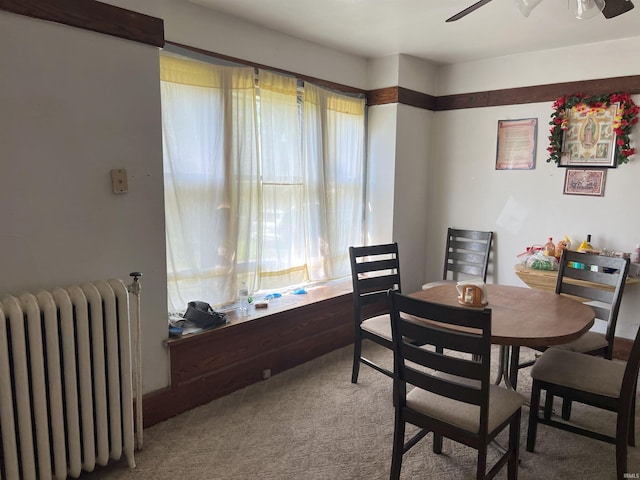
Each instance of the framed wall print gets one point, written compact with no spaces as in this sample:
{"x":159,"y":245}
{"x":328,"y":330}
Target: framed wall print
{"x":517,"y":141}
{"x":589,"y":139}
{"x":588,"y":182}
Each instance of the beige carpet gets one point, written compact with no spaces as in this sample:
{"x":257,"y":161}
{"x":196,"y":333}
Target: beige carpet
{"x":312,"y":423}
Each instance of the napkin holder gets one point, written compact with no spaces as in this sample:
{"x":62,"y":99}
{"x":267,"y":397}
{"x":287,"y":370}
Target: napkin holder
{"x":472,"y":295}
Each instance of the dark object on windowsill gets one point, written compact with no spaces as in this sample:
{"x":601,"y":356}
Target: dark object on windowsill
{"x":202,"y":315}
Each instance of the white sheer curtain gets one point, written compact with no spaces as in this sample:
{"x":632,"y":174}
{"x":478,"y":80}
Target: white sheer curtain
{"x":282,"y":259}
{"x":334,"y":178}
{"x":210,"y":163}
{"x":260,"y":185}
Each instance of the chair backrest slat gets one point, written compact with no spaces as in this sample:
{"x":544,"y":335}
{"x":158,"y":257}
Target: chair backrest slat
{"x":439,"y":335}
{"x":470,"y":393}
{"x":610,"y":279}
{"x":463,"y":366}
{"x":589,"y":292}
{"x":376,"y":265}
{"x":474,"y":270}
{"x":380,"y":283}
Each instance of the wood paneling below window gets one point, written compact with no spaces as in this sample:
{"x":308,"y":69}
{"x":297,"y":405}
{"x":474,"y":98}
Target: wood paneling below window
{"x":214,"y":363}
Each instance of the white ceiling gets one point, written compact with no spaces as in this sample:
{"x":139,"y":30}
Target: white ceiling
{"x":379,"y":28}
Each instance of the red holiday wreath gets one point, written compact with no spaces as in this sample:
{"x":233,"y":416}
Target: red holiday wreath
{"x":626,"y":117}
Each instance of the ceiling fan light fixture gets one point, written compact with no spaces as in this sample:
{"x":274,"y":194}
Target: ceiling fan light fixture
{"x":585,"y":9}
{"x":526,"y":6}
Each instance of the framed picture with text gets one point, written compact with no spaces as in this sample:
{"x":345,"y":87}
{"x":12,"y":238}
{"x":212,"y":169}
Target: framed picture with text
{"x":588,"y":182}
{"x":517,"y":140}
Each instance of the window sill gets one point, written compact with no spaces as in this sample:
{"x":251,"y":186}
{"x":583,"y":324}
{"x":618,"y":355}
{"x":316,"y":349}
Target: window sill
{"x":289,"y":301}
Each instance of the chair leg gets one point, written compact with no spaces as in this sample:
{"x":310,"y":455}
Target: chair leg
{"x":622,"y":434}
{"x":357,"y":352}
{"x":566,"y":409}
{"x":398,"y":447}
{"x":548,"y":405}
{"x":514,"y":366}
{"x":514,"y":446}
{"x":437,"y":443}
{"x":632,"y":422}
{"x":481,"y":471}
{"x":533,"y":416}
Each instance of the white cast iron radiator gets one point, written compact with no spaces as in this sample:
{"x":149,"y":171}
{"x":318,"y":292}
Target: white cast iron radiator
{"x":66,"y":396}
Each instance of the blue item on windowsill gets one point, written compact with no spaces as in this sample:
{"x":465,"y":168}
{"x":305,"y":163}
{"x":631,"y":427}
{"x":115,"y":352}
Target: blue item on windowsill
{"x":300,"y":291}
{"x":175,"y":332}
{"x":270,"y":296}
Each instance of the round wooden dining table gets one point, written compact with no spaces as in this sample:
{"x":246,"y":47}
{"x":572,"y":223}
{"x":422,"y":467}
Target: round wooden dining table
{"x":522,"y":317}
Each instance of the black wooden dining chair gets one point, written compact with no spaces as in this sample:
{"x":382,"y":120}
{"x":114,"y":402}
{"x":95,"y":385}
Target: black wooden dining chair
{"x":375,"y":269}
{"x":467,"y":254}
{"x":602,"y":289}
{"x":443,"y":385}
{"x":601,"y":383}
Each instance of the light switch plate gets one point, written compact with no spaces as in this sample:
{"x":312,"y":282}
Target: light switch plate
{"x":119,"y":180}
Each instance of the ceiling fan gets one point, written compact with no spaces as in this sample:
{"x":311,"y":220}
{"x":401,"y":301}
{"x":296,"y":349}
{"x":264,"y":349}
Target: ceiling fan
{"x":612,"y":8}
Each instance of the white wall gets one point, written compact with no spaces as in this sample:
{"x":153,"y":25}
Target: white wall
{"x":541,"y":68}
{"x":381,"y":171}
{"x":76,"y":104}
{"x":410,"y":220}
{"x":417,"y":74}
{"x":399,"y":146}
{"x":201,"y":27}
{"x":526,"y":207}
{"x":384,"y":72}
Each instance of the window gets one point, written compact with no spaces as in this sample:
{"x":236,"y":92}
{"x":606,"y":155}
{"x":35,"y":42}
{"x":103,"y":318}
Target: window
{"x":264,"y":180}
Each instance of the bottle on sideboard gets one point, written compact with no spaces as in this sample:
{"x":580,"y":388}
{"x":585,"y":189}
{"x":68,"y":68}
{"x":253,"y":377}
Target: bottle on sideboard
{"x":585,"y":246}
{"x":549,"y":248}
{"x":243,"y":293}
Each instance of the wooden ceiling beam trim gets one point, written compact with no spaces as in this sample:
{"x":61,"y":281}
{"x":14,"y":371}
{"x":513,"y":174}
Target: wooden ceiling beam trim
{"x":416,"y":99}
{"x":539,"y":93}
{"x":94,"y":16}
{"x":463,"y":100}
{"x":383,"y":96}
{"x":509,"y":96}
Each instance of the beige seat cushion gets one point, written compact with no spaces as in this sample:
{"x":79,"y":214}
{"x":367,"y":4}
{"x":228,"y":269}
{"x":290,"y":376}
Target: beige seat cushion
{"x":580,"y":371}
{"x":588,"y":342}
{"x":380,"y":325}
{"x":502,"y":404}
{"x":440,"y":282}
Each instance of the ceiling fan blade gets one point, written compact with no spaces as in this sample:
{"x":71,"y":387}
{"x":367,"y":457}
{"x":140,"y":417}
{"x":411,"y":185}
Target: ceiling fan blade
{"x":468,"y":10}
{"x":613,"y":8}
